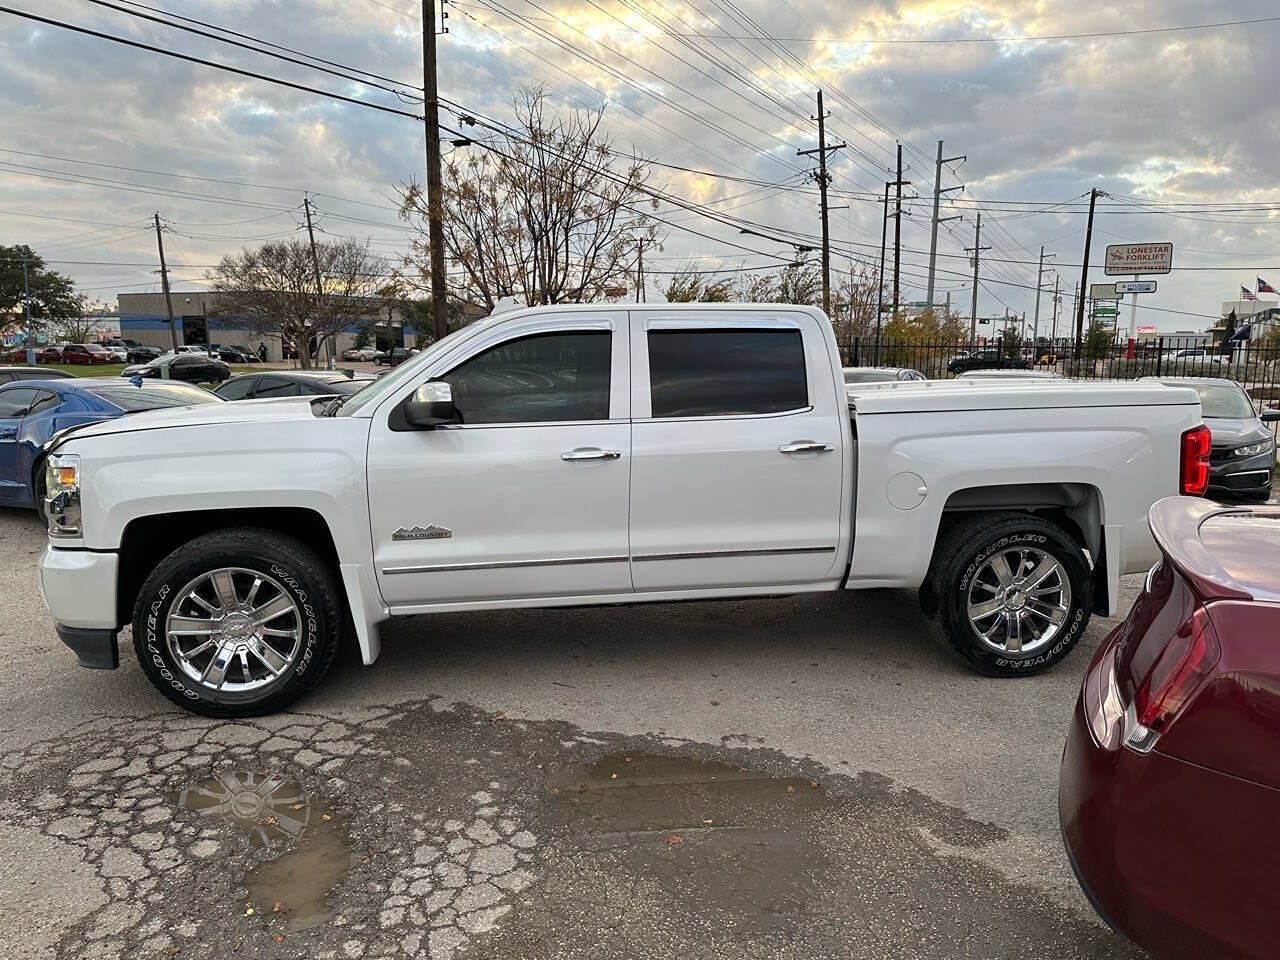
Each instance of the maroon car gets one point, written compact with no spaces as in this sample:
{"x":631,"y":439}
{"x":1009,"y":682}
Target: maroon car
{"x":1169,"y":793}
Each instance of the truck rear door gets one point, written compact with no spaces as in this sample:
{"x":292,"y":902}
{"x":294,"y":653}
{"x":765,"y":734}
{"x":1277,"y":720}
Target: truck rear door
{"x":737,"y":450}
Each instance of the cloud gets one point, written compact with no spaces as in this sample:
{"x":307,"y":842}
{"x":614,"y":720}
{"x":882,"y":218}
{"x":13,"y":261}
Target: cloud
{"x":1183,"y":116}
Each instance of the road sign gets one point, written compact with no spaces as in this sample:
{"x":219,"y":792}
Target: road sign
{"x":1104,"y":311}
{"x":1103,"y":291}
{"x":1136,"y":258}
{"x":1135,"y":286}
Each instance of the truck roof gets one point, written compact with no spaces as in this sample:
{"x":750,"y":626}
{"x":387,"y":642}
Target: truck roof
{"x":936,"y":395}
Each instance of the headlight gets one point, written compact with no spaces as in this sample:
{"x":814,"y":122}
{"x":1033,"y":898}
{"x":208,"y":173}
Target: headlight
{"x":62,"y":494}
{"x":1253,"y":449}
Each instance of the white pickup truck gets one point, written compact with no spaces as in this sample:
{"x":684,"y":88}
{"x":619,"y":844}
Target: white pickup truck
{"x":593,"y":455}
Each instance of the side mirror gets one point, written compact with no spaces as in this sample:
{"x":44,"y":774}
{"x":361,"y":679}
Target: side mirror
{"x":1270,"y":416}
{"x":430,"y":406}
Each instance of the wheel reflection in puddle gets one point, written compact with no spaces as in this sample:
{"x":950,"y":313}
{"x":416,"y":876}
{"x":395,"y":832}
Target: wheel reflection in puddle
{"x":275,"y":812}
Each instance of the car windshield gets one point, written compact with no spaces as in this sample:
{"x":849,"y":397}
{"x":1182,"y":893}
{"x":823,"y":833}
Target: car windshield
{"x":153,"y":396}
{"x":405,"y":371}
{"x":869,"y":376}
{"x":345,"y":387}
{"x":1218,"y":400}
{"x":94,"y":348}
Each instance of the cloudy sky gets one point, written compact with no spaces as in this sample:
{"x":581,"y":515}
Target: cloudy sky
{"x":1178,"y":127}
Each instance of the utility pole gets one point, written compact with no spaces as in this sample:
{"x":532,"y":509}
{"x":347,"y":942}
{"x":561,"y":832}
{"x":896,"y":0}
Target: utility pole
{"x":884,"y":230}
{"x":164,"y":285}
{"x":1084,"y":271}
{"x":977,"y":249}
{"x":938,"y":191}
{"x":897,"y":231}
{"x":26,"y":307}
{"x":315,"y":266}
{"x":435,"y":183}
{"x":823,"y":179}
{"x":1035,"y":325}
{"x":1053,"y":339}
{"x":640,"y":297}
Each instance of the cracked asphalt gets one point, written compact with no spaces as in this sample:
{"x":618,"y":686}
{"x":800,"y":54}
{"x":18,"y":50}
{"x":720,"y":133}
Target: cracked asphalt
{"x":792,"y":777}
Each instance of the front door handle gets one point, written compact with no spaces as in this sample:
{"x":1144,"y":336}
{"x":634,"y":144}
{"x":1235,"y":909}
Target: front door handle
{"x":805,"y":446}
{"x":590,"y":453}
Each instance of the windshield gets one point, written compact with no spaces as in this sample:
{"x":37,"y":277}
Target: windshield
{"x":1217,"y":400}
{"x":388,"y":382}
{"x":345,"y":387}
{"x":153,"y":396}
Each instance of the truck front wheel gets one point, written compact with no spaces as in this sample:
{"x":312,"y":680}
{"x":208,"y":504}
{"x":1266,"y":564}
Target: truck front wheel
{"x":237,"y":623}
{"x":1014,"y":592}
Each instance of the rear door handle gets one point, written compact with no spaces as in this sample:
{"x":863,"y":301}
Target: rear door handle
{"x":8,"y":433}
{"x":805,"y":446}
{"x":590,"y":453}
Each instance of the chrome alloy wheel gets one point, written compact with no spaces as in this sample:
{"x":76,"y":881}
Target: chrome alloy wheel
{"x":234,"y":630}
{"x":1019,"y":599}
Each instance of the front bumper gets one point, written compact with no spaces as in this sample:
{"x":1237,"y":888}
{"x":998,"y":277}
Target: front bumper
{"x":1247,"y":476}
{"x":79,"y":588}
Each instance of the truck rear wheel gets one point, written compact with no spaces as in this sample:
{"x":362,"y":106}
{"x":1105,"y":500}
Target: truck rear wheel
{"x":1014,"y":593}
{"x":237,"y":623}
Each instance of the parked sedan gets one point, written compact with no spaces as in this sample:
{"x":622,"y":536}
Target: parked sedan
{"x":1242,"y":460}
{"x":880,"y":374}
{"x":86,"y":353}
{"x":237,"y":355}
{"x":1168,"y":786}
{"x":189,"y":367}
{"x":9,"y":374}
{"x":393,"y":357}
{"x":293,"y":383}
{"x":360,"y":354}
{"x":50,"y":354}
{"x":31,"y":411}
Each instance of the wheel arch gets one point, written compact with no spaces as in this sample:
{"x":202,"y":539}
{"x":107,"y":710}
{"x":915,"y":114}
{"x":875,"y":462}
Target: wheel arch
{"x":1075,"y":507}
{"x":147,"y":540}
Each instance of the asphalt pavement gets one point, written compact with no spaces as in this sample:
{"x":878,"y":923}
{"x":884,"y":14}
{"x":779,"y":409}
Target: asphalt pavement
{"x":795,"y":777}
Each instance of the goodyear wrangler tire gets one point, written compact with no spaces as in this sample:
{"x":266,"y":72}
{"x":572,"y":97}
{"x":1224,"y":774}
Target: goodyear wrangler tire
{"x":237,"y":623}
{"x":1014,"y":593}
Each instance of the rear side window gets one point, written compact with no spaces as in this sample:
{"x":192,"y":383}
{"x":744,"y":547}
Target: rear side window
{"x":722,"y":373}
{"x":276,"y":387}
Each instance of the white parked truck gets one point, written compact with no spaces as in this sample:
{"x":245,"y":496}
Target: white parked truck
{"x":601,"y":454}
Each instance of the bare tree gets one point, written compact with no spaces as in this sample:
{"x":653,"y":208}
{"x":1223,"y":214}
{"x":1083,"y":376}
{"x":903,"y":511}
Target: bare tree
{"x":757,"y":288}
{"x":550,"y":213}
{"x":272,"y":290}
{"x":75,"y":329}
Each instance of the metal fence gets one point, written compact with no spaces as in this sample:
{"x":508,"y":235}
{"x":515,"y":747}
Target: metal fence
{"x":1256,"y":367}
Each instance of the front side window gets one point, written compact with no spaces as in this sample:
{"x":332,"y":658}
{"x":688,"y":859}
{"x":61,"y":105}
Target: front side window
{"x":276,"y":387}
{"x":730,"y":372}
{"x":543,"y":378}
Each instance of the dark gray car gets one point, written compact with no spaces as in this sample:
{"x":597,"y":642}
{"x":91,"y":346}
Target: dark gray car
{"x":1242,"y":458}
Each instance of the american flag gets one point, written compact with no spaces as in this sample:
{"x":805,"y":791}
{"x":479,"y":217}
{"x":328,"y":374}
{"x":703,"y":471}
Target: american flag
{"x":1246,"y":293}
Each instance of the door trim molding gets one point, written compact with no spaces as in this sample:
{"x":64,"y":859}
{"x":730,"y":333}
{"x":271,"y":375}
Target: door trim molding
{"x":717,"y":554}
{"x":503,"y":564}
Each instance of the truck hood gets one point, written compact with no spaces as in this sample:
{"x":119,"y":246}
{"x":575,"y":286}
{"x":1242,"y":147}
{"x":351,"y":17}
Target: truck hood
{"x":241,"y":411}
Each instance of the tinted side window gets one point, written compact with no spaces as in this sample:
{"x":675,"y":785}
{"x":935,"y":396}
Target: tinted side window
{"x":542,"y":378}
{"x":276,"y":387}
{"x":719,"y":373}
{"x":15,"y":403}
{"x":237,"y":389}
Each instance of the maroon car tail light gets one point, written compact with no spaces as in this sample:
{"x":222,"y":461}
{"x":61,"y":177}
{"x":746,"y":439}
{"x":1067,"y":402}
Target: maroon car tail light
{"x":1188,"y":659}
{"x":1194,"y":467}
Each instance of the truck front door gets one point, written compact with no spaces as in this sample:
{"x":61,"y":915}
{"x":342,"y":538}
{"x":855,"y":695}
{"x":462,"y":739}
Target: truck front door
{"x":737,"y":450}
{"x":527,"y":496}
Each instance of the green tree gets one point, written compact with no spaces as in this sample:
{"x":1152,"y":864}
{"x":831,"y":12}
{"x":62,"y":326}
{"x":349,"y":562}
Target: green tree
{"x":53,"y":296}
{"x":1098,"y":340}
{"x":687,"y":285}
{"x":800,"y":283}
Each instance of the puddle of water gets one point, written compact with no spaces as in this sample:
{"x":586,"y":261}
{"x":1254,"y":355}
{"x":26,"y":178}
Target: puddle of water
{"x":273,"y":812}
{"x":732,"y":838}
